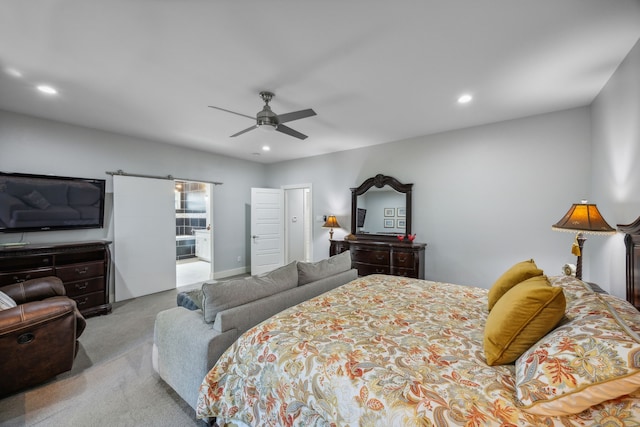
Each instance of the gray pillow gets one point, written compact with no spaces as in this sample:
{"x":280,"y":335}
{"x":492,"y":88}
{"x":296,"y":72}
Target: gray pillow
{"x":221,"y":296}
{"x":310,"y":272}
{"x":191,"y":300}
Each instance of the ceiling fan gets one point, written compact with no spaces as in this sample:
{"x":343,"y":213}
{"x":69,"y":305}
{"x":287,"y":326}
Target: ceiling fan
{"x":268,"y":120}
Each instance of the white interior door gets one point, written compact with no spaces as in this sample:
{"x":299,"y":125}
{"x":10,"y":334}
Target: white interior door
{"x":144,"y":236}
{"x":267,"y":229}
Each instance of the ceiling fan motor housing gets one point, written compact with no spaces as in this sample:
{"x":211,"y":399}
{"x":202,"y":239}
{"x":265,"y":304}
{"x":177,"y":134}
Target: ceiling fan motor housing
{"x":266,"y":117}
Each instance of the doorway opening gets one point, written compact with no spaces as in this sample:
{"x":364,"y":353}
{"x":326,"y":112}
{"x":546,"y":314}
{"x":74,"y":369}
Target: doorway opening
{"x":298,"y":229}
{"x":194,"y":233}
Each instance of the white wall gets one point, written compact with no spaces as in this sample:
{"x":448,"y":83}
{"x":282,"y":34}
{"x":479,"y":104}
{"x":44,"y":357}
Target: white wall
{"x":32,"y":145}
{"x":483,"y":198}
{"x":615,"y":182}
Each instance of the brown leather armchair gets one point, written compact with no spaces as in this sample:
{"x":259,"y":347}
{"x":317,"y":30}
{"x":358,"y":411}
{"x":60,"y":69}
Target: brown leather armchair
{"x":38,"y":337}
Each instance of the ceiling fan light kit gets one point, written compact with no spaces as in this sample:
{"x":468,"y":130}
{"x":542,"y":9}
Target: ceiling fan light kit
{"x":267,"y":120}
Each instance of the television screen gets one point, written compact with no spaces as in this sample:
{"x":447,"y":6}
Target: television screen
{"x":44,"y":202}
{"x":362,"y":213}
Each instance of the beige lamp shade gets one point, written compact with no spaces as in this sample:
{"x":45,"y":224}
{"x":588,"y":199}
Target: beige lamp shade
{"x":583,"y":218}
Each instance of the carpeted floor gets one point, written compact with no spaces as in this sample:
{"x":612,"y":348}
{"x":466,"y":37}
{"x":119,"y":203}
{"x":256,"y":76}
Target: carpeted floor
{"x":112,"y":382}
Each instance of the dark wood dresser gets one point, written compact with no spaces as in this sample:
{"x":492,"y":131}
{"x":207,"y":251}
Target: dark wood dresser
{"x":82,"y":266}
{"x":383,"y":257}
{"x":632,"y":243}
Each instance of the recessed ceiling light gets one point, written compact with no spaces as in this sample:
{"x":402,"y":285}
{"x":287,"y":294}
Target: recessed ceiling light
{"x":13,"y":72}
{"x":49,"y":90}
{"x":266,"y":148}
{"x":464,"y":99}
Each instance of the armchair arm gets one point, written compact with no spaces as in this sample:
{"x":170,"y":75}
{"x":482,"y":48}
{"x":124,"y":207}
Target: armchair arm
{"x":34,"y":289}
{"x":35,"y":313}
{"x":38,"y":340}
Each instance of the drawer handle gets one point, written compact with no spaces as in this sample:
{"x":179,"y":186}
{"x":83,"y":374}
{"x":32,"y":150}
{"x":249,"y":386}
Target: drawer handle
{"x":379,"y":270}
{"x":19,"y":280}
{"x":380,"y":257}
{"x":83,"y":286}
{"x":402,"y":259}
{"x":82,"y":270}
{"x":83,"y":302}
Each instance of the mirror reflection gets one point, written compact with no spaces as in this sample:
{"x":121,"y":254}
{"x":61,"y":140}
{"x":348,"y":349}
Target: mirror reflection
{"x":381,"y":211}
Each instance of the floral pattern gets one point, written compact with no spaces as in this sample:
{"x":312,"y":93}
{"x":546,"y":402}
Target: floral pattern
{"x":381,"y":351}
{"x":592,"y":356}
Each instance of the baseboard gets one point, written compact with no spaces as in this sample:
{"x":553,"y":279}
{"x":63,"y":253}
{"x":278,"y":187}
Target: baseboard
{"x":233,"y":272}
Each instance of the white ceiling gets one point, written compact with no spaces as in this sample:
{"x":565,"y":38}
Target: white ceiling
{"x":374,"y":71}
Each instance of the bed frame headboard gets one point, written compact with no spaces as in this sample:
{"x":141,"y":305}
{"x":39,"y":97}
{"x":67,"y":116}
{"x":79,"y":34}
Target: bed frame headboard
{"x":632,"y":242}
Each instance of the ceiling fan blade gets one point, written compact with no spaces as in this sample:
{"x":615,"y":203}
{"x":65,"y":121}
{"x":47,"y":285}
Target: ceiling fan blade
{"x":232,"y":112}
{"x":289,"y":117}
{"x":244,"y":131}
{"x":286,"y":129}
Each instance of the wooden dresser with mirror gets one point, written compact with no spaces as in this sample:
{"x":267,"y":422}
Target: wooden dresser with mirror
{"x":380,"y":212}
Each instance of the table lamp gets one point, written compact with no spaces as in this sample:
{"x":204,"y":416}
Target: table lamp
{"x":582,"y":218}
{"x":331,"y":223}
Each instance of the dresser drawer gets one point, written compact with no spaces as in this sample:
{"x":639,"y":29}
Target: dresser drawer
{"x":26,"y":263}
{"x":370,"y":257}
{"x":85,"y":302}
{"x":21,"y":276}
{"x":405,"y":272}
{"x":366,"y":269}
{"x":404,"y":259}
{"x":84,"y":286}
{"x":82,"y":271}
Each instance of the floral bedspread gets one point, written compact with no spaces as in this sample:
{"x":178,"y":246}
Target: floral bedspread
{"x":378,"y":351}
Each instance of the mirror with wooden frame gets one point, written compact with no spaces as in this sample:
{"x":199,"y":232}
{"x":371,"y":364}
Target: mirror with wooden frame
{"x":381,"y":208}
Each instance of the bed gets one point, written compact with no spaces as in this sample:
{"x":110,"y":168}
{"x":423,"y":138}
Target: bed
{"x":391,"y":351}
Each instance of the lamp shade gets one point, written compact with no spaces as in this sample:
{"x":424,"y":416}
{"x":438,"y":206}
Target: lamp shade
{"x":584,"y":218}
{"x":331,"y":222}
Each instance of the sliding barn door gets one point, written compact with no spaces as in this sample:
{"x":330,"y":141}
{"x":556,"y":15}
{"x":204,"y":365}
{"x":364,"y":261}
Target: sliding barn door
{"x":144,"y":236}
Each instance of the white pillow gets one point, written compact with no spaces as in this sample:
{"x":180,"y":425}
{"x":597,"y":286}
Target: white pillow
{"x":6,"y":301}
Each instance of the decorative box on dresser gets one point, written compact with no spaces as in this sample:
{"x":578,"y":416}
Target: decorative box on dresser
{"x":83,"y":267}
{"x":383,"y":257}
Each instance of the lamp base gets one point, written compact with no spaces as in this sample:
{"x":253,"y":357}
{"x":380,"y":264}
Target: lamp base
{"x":581,"y":239}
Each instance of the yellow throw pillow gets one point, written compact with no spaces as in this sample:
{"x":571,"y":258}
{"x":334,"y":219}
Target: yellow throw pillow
{"x":525,"y":314}
{"x":517,"y":273}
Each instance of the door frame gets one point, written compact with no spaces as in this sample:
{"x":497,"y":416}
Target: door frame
{"x":209,"y":187}
{"x":308,"y":243}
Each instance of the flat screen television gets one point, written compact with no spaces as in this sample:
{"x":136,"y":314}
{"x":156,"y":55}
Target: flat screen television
{"x":45,"y":202}
{"x":362,"y":213}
